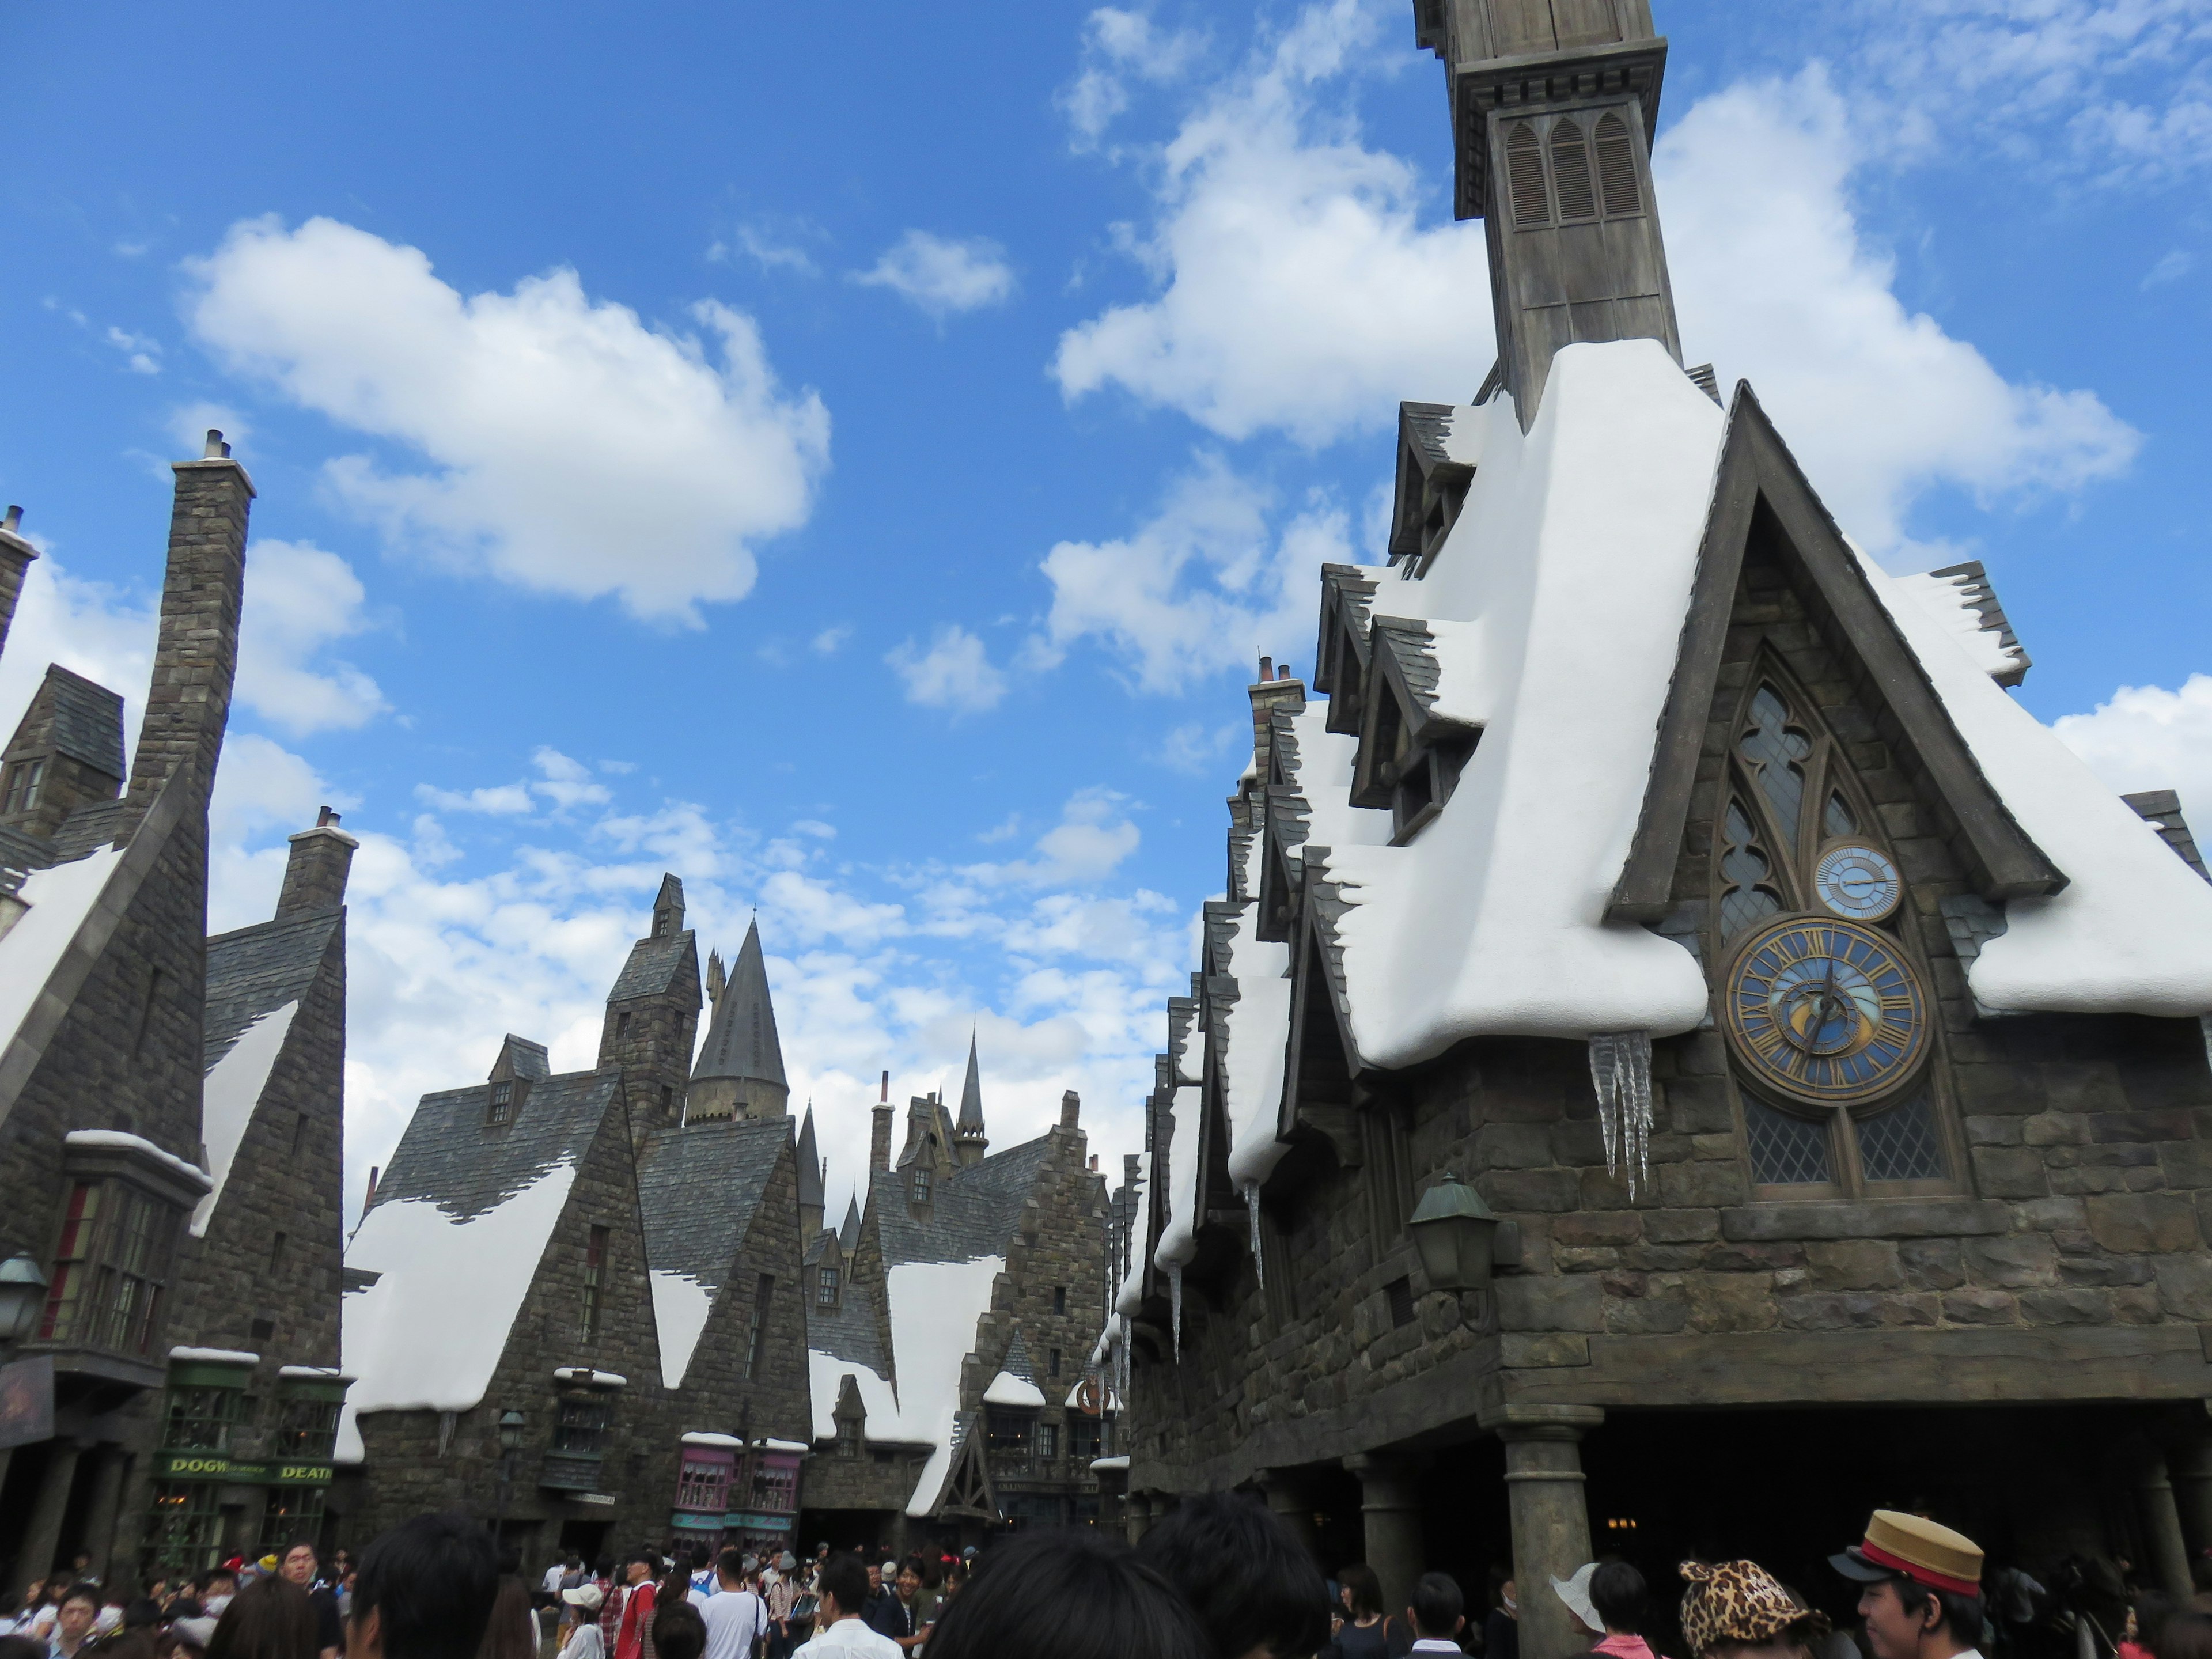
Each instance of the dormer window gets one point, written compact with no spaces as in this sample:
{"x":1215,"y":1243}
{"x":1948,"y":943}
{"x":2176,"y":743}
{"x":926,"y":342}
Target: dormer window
{"x":918,"y":1187}
{"x":25,"y":780}
{"x":501,"y":1106}
{"x":825,"y":1287}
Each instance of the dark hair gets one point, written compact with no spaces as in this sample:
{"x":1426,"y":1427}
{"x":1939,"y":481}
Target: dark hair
{"x":1959,"y":1614}
{"x":651,"y":1560}
{"x":731,"y":1562}
{"x":845,"y":1579}
{"x":2182,"y":1635}
{"x":22,"y":1647}
{"x":1067,"y":1595}
{"x":678,"y":1631}
{"x":271,"y":1618}
{"x":508,"y":1633}
{"x":912,"y":1564}
{"x":85,"y":1591}
{"x":431,"y":1582}
{"x":1616,"y":1590}
{"x":141,"y":1613}
{"x":1249,"y":1581}
{"x":1360,"y":1584}
{"x":603,"y":1567}
{"x":1437,"y":1606}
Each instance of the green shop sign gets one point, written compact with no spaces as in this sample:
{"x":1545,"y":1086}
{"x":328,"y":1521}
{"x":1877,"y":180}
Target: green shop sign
{"x":215,"y":1466}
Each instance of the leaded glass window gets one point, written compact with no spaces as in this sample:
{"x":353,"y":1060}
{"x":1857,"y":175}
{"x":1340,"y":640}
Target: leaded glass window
{"x":1786,"y":1151}
{"x":1901,"y":1143}
{"x":1838,"y":819}
{"x":1749,"y":896}
{"x":1776,"y":751}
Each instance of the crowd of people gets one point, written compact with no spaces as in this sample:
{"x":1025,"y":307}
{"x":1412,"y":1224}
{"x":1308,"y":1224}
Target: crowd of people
{"x":1219,"y":1577}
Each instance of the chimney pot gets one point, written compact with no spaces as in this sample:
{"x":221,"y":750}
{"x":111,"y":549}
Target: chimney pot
{"x":370,"y":1202}
{"x":1071,"y":1108}
{"x":215,"y":447}
{"x":327,"y":819}
{"x":15,"y":518}
{"x":1266,"y":669}
{"x":885,"y":1092}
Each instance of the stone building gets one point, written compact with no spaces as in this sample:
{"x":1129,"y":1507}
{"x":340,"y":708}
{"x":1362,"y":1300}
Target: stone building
{"x":171,"y":1105}
{"x":949,"y":1326}
{"x":573,"y":1303}
{"x":1819,"y":1039}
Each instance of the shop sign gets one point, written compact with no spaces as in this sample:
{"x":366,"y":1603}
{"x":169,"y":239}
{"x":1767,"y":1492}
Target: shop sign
{"x":739,"y":1521}
{"x":215,"y":1466}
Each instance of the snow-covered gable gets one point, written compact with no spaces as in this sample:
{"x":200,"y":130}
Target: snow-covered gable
{"x":680,"y":1307}
{"x":825,"y":1376}
{"x":1178,"y":1235}
{"x":699,"y":1187}
{"x":934,"y":1308}
{"x":1960,"y":597}
{"x":58,"y":903}
{"x":232,"y":1091}
{"x":1007,"y":1389}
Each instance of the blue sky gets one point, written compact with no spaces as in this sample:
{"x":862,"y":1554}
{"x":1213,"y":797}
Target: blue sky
{"x":854,"y":461}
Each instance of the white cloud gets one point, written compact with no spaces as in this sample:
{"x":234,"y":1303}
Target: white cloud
{"x":89,"y":628}
{"x":499,"y":801}
{"x":1774,"y":282}
{"x":141,"y":352}
{"x":828,"y":640}
{"x":1197,"y":748}
{"x":955,"y":672}
{"x":1119,"y":46}
{"x":297,"y":599}
{"x":571,"y":449}
{"x":941,"y":276}
{"x":765,"y":250}
{"x":1203,"y":585}
{"x":2172,"y":266}
{"x":1296,"y":290}
{"x":566,"y":783}
{"x":2146,"y":737}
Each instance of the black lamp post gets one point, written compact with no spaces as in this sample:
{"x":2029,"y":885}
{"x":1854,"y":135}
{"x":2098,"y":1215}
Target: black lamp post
{"x":1455,"y":1234}
{"x":510,"y":1443}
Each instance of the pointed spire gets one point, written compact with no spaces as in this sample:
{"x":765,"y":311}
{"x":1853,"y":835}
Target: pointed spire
{"x":809,"y":1164}
{"x":971,"y":1095}
{"x":715,"y":977}
{"x":668,"y":909}
{"x":849,"y":1235}
{"x":740,"y":1068}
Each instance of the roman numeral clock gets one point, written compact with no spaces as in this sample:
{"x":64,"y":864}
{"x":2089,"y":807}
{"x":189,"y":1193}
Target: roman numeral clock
{"x":1826,"y":1010}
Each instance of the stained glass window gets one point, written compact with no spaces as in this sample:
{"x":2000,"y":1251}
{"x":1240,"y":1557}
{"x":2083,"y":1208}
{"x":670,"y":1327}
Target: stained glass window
{"x":1786,"y":1151}
{"x":1900,"y":1144}
{"x":1775,"y":748}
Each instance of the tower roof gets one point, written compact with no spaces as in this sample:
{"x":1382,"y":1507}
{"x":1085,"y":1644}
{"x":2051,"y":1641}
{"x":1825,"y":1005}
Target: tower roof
{"x":849,"y":1235}
{"x":809,"y":1161}
{"x":971,"y":1096}
{"x":742,"y":1041}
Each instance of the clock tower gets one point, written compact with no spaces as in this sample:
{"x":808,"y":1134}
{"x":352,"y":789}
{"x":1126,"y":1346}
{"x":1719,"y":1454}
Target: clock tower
{"x":1553,"y":105}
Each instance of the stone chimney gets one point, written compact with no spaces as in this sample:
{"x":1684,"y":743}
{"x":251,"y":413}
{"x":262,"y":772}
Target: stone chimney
{"x":195,"y":658}
{"x":1071,"y":1110}
{"x":1272,"y":691}
{"x":322,"y":857}
{"x":15,"y":557}
{"x":879,"y":1131}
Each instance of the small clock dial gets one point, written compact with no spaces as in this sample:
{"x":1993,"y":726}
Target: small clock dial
{"x":1825,"y":1011}
{"x":1856,"y":882}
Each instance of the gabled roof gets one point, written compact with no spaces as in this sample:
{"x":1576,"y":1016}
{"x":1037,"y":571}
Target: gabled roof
{"x":253,"y":971}
{"x":2161,"y":810}
{"x":451,"y":1156}
{"x":87,"y":721}
{"x":520,"y":1057}
{"x":655,"y":966}
{"x":699,"y":1187}
{"x":741,"y":1040}
{"x":973,"y":1212}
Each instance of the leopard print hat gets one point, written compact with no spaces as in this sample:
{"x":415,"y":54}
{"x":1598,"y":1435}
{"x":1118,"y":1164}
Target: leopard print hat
{"x":1737,"y":1602}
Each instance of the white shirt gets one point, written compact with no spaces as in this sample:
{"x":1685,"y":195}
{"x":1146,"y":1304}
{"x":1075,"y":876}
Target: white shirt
{"x":735,"y":1620}
{"x":852,"y":1636}
{"x":585,"y":1643}
{"x":551,"y":1583}
{"x":1437,"y":1645}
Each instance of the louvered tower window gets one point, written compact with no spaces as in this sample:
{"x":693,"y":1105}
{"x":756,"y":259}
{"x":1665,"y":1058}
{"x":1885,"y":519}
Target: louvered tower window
{"x":1524,"y":170}
{"x":1616,"y":168}
{"x":1570,"y":171}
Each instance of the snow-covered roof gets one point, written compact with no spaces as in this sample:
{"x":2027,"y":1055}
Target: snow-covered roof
{"x":1007,"y":1389}
{"x":120,"y":1141}
{"x":680,"y":1307}
{"x":59,"y":899}
{"x":586,"y":1374}
{"x":699,"y":1187}
{"x":1960,"y":597}
{"x":825,"y":1374}
{"x":232,"y":1091}
{"x":1104,"y":1465}
{"x":319,"y":1373}
{"x":1178,"y":1235}
{"x":934,"y":1306}
{"x":698,"y":1438}
{"x":1129,"y":1296}
{"x":217,"y":1357}
{"x":785,"y":1445}
{"x":1257,"y":1022}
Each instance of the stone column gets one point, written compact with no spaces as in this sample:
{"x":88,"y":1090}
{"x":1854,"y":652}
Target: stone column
{"x":1551,"y":1518}
{"x":107,"y":1466}
{"x":1293,"y":1505}
{"x":2161,"y":1524}
{"x":42,"y":1538}
{"x":2190,"y":1468}
{"x":1390,"y":1505}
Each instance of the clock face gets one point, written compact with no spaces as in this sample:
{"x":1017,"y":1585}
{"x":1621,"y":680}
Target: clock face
{"x":1825,"y":1011}
{"x":1856,"y":882}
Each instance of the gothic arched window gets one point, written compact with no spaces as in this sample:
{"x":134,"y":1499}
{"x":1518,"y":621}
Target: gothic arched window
{"x":1616,"y":168}
{"x":1524,"y":176}
{"x":1570,"y":170}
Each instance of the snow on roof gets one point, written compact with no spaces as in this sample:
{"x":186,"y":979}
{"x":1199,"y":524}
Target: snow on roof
{"x":1103,"y":1464}
{"x":117,"y":1140}
{"x":786,"y":1445}
{"x":1007,"y":1389}
{"x":1107,"y":1336}
{"x":680,"y":1307}
{"x":59,"y":900}
{"x":934,"y":1306}
{"x":699,"y":1438}
{"x":1178,"y":1235}
{"x":2131,"y":932}
{"x":1131,"y":1294}
{"x":231,"y":1092}
{"x":1961,"y":599}
{"x":1258,"y":1023}
{"x":217,"y":1357}
{"x":1573,"y":538}
{"x":825,"y":1373}
{"x":585,"y":1374}
{"x":428,"y":1333}
{"x":1324,"y":762}
{"x":326,"y":1373}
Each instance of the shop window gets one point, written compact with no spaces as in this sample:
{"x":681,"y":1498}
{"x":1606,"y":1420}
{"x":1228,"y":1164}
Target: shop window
{"x":307,"y":1429}
{"x":110,"y":1267}
{"x":595,"y":1269}
{"x":1008,"y":1430}
{"x":1047,"y":1441}
{"x":776,"y":1488}
{"x":702,"y":1485}
{"x":580,"y":1424}
{"x":1083,"y":1439}
{"x":184,"y":1529}
{"x":294,"y":1512}
{"x":201,"y":1419}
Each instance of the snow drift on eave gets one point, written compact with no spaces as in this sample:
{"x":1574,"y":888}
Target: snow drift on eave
{"x":1557,"y":600}
{"x":2131,"y":932}
{"x":57,"y":901}
{"x":428,"y":1334}
{"x":825,"y":1375}
{"x":680,"y":1306}
{"x":232,"y":1091}
{"x":934,"y":1307}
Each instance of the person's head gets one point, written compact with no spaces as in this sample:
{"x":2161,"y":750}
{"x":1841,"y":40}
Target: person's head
{"x":603,"y":1567}
{"x":219,"y":1580}
{"x":1738,"y":1610}
{"x":2183,"y":1636}
{"x":1358,"y":1588}
{"x":270,"y":1619}
{"x":1616,"y":1592}
{"x":511,"y":1633}
{"x":729,"y":1568}
{"x":586,"y":1600}
{"x":1253,"y":1586}
{"x":909,"y":1582}
{"x":1439,"y":1611}
{"x":423,"y":1590}
{"x":299,"y":1562}
{"x":678,"y":1631}
{"x":640,"y":1566}
{"x":845,"y":1585}
{"x":875,"y":1576}
{"x":1919,"y":1585}
{"x":79,"y":1606}
{"x":1067,"y":1595}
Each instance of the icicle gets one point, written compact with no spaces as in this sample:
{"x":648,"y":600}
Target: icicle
{"x":1620,"y":1069}
{"x":1175,"y":1307}
{"x":1252,"y":1209}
